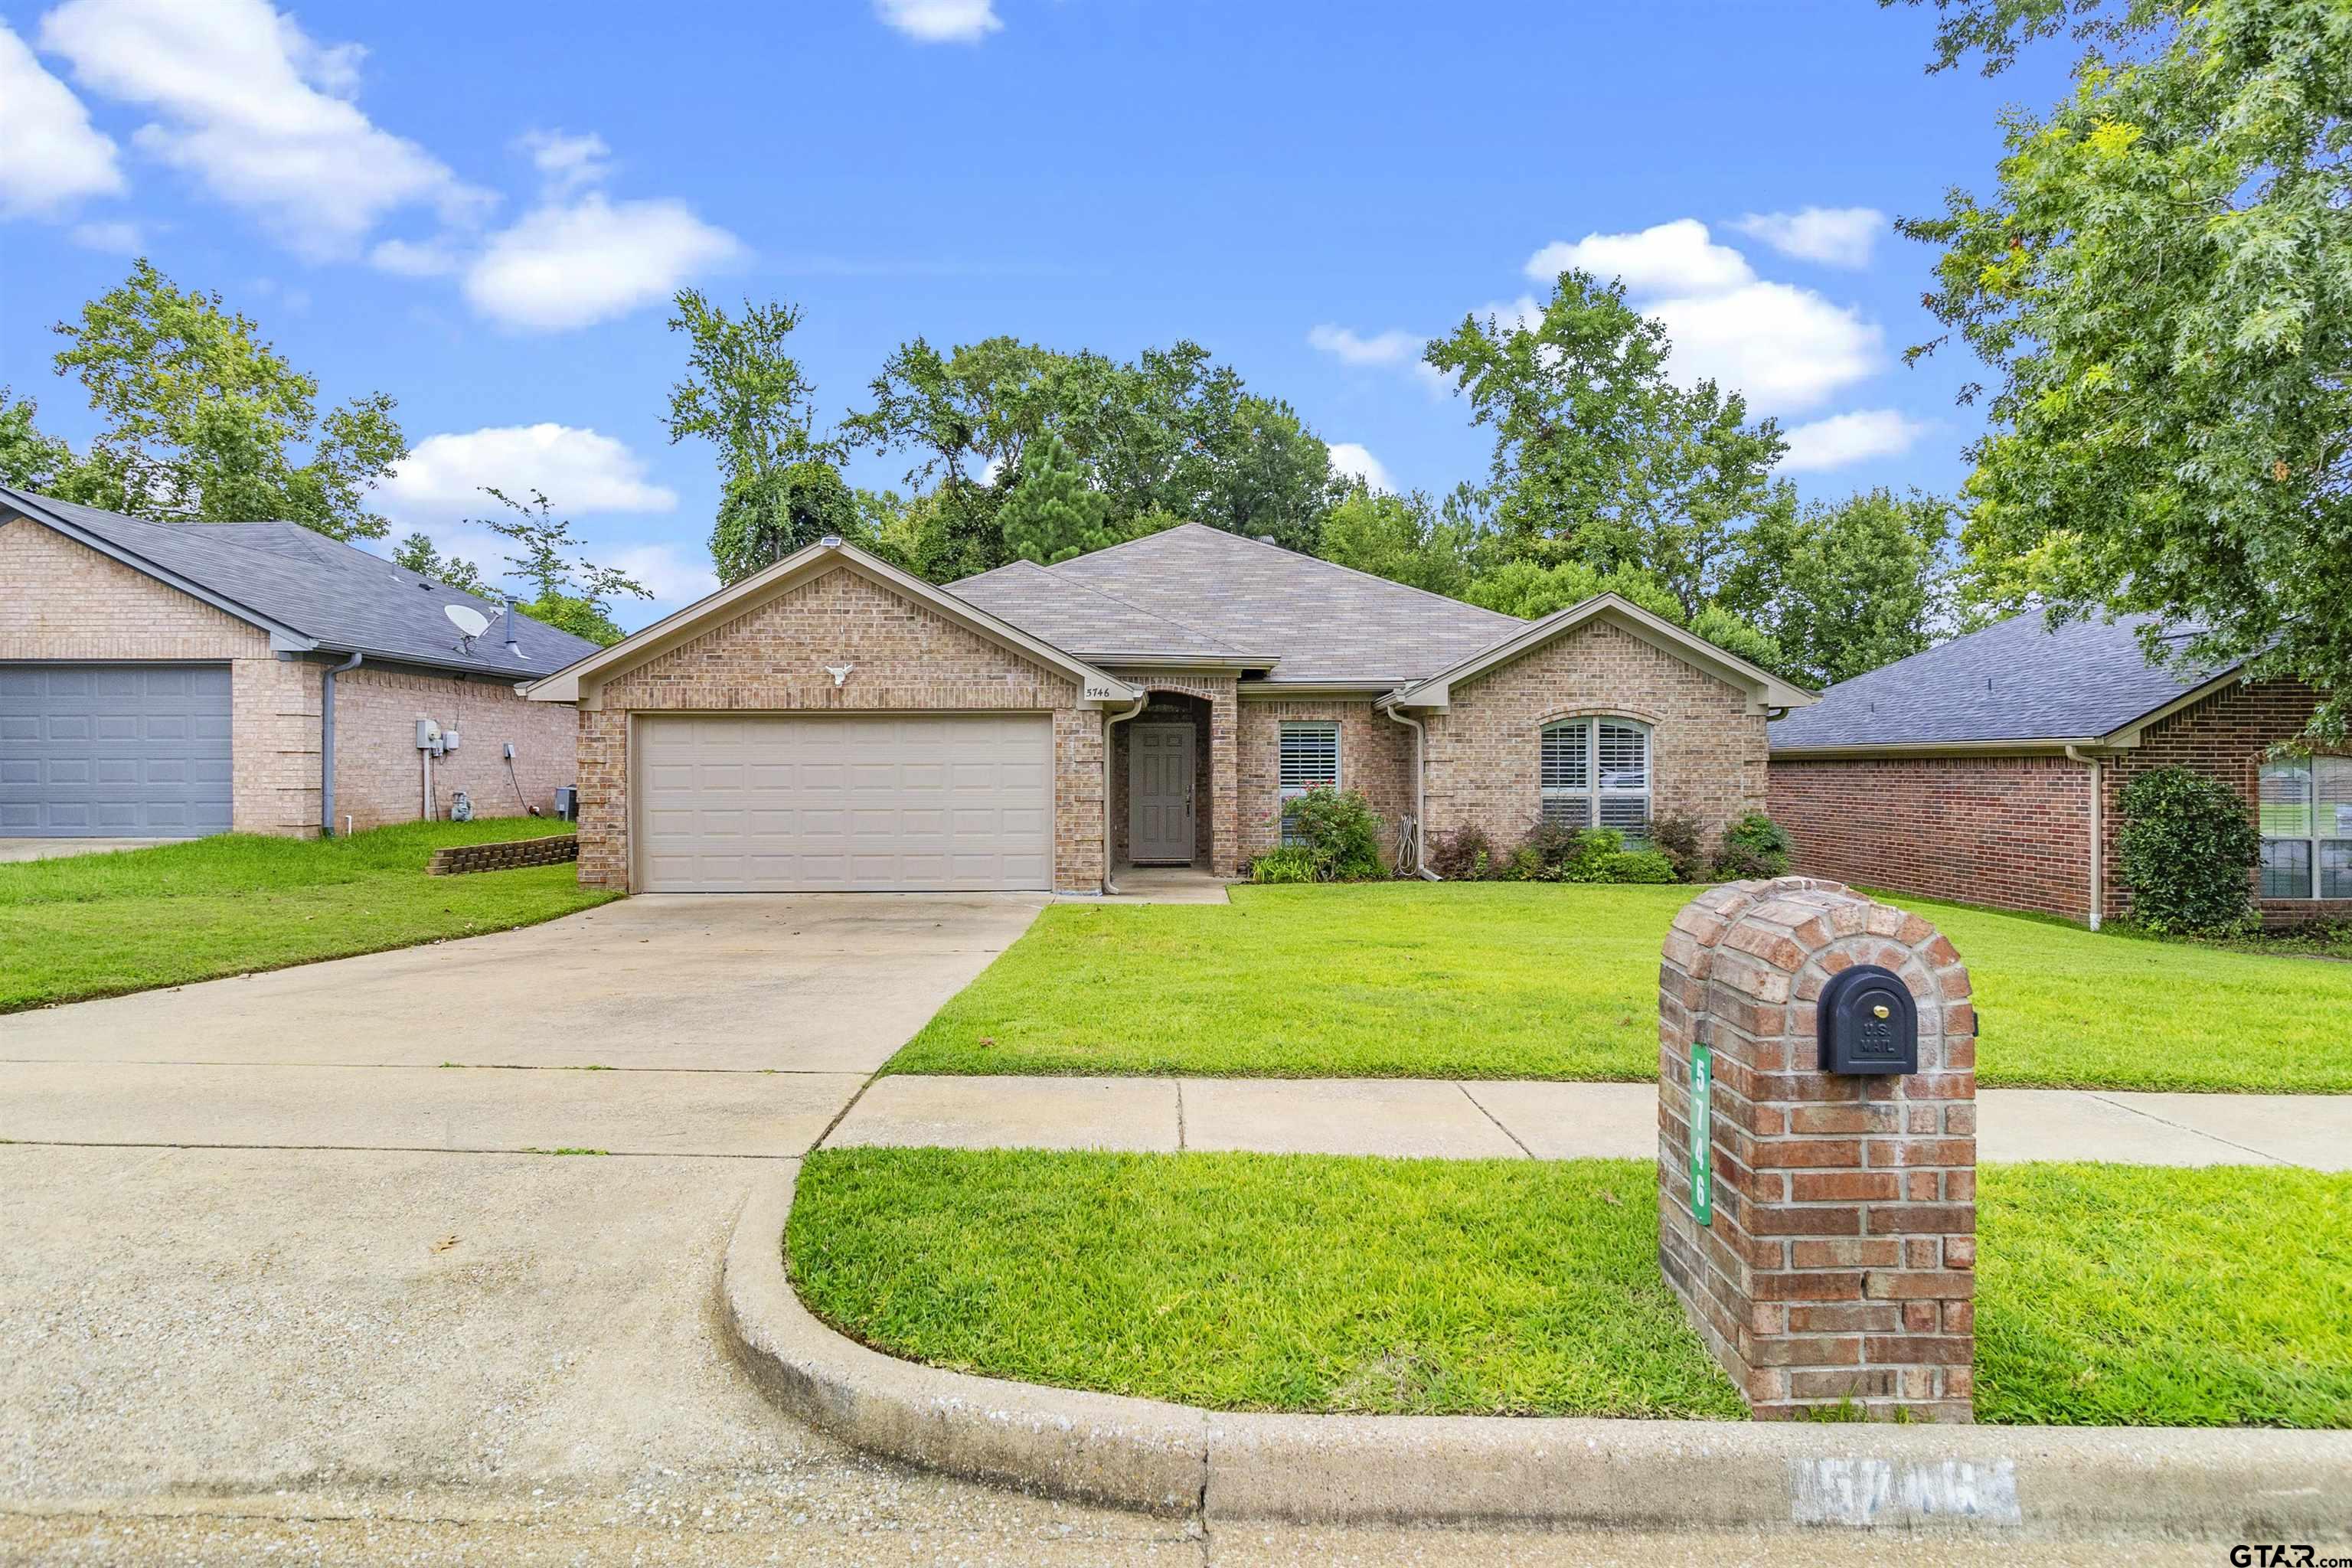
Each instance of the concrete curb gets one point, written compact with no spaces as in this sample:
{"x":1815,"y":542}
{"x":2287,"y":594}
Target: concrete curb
{"x":2223,"y":1484}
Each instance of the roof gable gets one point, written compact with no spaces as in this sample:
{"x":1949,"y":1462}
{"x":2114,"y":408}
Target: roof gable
{"x":1765,"y":688}
{"x":581,"y":681}
{"x":2014,"y":683}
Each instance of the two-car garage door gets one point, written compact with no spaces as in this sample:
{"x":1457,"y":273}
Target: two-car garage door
{"x":130,"y":751}
{"x":845,"y":803}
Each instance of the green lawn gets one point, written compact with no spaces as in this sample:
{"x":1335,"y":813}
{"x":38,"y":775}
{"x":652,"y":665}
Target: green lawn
{"x":98,"y":925}
{"x":1415,"y":979}
{"x":2122,"y":1295}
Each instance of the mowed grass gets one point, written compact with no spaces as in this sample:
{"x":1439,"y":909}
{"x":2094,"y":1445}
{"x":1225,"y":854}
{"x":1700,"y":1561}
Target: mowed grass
{"x":100,"y":925}
{"x":1419,"y":980}
{"x":1261,"y":1282}
{"x":2123,"y":1295}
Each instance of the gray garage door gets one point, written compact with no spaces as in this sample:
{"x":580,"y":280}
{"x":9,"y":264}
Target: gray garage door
{"x":854,"y":803}
{"x":107,"y":751}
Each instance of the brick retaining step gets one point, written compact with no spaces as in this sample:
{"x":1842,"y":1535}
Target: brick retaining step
{"x":463,"y":859}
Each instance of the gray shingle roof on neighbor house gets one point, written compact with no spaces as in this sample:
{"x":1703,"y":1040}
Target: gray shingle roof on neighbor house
{"x":1324,"y":623}
{"x":2013,"y":682}
{"x":339,"y":596}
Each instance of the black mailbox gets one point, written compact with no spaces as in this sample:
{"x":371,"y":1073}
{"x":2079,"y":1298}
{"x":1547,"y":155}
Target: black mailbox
{"x":1867,"y":1022}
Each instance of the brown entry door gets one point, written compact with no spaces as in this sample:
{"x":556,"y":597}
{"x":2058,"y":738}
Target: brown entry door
{"x":1159,"y":794}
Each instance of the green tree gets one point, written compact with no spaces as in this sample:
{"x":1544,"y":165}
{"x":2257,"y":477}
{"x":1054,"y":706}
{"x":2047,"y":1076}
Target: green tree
{"x":1531,"y":590}
{"x":205,"y":421}
{"x":1406,"y":539}
{"x":1845,"y":587}
{"x":422,"y":556}
{"x":749,"y":397}
{"x":29,"y":460}
{"x":2157,"y":284}
{"x":1051,"y":515}
{"x":568,"y":592}
{"x":1599,"y":458}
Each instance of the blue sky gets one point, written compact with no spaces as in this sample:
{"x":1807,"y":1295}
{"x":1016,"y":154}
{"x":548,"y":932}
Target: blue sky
{"x":483,"y":209}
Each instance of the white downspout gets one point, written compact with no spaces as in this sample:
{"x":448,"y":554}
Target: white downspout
{"x":1111,"y":719}
{"x":2098,"y":834}
{"x":1419,"y":796}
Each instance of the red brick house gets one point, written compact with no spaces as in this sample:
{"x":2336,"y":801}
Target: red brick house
{"x":1988,"y":770}
{"x":833,"y":722}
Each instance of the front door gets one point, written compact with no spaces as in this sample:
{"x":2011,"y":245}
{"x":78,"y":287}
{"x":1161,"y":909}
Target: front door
{"x":1159,"y":794}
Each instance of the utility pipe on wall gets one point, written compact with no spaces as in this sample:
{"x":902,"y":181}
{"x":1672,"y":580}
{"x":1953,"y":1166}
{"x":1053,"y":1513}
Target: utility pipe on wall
{"x":1420,"y":797}
{"x":327,"y":745}
{"x":2098,"y":834}
{"x":1111,"y":719}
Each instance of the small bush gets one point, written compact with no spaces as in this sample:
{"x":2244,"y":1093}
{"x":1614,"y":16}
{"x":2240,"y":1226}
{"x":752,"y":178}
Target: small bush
{"x":1340,"y":831}
{"x":1753,"y":846}
{"x":1293,"y":864}
{"x":1464,"y":855}
{"x":1684,"y":843}
{"x":1650,"y":866}
{"x":2190,"y":848}
{"x":1555,"y":854}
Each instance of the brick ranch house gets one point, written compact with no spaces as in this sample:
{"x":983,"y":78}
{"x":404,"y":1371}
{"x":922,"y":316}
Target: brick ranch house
{"x":835,"y":723}
{"x":169,"y":680}
{"x":1987,"y":770}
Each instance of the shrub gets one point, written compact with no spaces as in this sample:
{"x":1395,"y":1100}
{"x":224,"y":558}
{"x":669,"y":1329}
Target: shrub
{"x":1554,"y":854}
{"x":1754,"y":846}
{"x":1340,"y":831}
{"x":1464,"y":855}
{"x":1295,"y":863}
{"x":2190,"y":848}
{"x":1684,"y":843}
{"x":1639,"y":865}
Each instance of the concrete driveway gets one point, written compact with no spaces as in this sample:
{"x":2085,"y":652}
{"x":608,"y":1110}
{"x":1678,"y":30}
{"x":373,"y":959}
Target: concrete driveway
{"x":273,"y":1268}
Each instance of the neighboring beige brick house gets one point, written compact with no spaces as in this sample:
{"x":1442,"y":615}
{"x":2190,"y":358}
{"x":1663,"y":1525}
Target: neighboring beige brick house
{"x":833,"y":722}
{"x":168,"y":681}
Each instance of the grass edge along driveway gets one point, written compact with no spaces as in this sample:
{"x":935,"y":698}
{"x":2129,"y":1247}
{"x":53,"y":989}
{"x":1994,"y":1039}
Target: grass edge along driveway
{"x":105,"y":925}
{"x":2108,"y":1294}
{"x":1537,"y":981}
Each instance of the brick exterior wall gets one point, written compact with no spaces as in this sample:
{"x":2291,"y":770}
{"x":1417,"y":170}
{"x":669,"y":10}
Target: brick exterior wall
{"x":1706,"y":749}
{"x":1216,"y":820}
{"x":379,"y":773}
{"x":909,"y":658}
{"x":60,"y":600}
{"x":1839,"y":1264}
{"x":2014,"y":832}
{"x":1375,"y":759}
{"x":465,"y":860}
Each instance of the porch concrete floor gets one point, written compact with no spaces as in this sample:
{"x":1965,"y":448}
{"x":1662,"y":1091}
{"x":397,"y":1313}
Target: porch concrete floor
{"x":1162,"y":885}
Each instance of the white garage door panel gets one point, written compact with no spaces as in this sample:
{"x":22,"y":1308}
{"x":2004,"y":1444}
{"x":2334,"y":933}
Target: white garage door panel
{"x":861,"y":803}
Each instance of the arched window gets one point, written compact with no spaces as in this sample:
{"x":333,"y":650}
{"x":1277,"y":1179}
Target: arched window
{"x":1596,"y":772}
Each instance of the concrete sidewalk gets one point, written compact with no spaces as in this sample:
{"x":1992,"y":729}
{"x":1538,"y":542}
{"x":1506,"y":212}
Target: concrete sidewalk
{"x":1489,"y":1119}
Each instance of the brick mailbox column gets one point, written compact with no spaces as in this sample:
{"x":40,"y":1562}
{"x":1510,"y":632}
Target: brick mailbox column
{"x":1835,"y":1262}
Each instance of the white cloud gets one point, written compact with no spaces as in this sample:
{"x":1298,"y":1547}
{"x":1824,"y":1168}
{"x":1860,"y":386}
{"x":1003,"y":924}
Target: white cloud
{"x":1348,"y":458}
{"x":564,"y":266}
{"x":257,"y":111}
{"x":1844,"y":438}
{"x":415,"y":258}
{"x":1675,"y":258}
{"x":673,"y":578}
{"x":1787,"y":348}
{"x":567,"y":162}
{"x":940,"y":21}
{"x":55,"y":156}
{"x":1345,"y":345}
{"x":582,"y":472}
{"x":1835,"y":237}
{"x":114,"y":236}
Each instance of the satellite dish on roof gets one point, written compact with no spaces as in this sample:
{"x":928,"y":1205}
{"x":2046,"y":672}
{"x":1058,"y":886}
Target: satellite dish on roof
{"x":470,"y":621}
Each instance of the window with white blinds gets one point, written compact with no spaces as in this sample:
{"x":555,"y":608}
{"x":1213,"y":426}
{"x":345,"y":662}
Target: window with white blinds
{"x":2306,"y":822}
{"x":1596,"y":772}
{"x":1310,"y":756}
